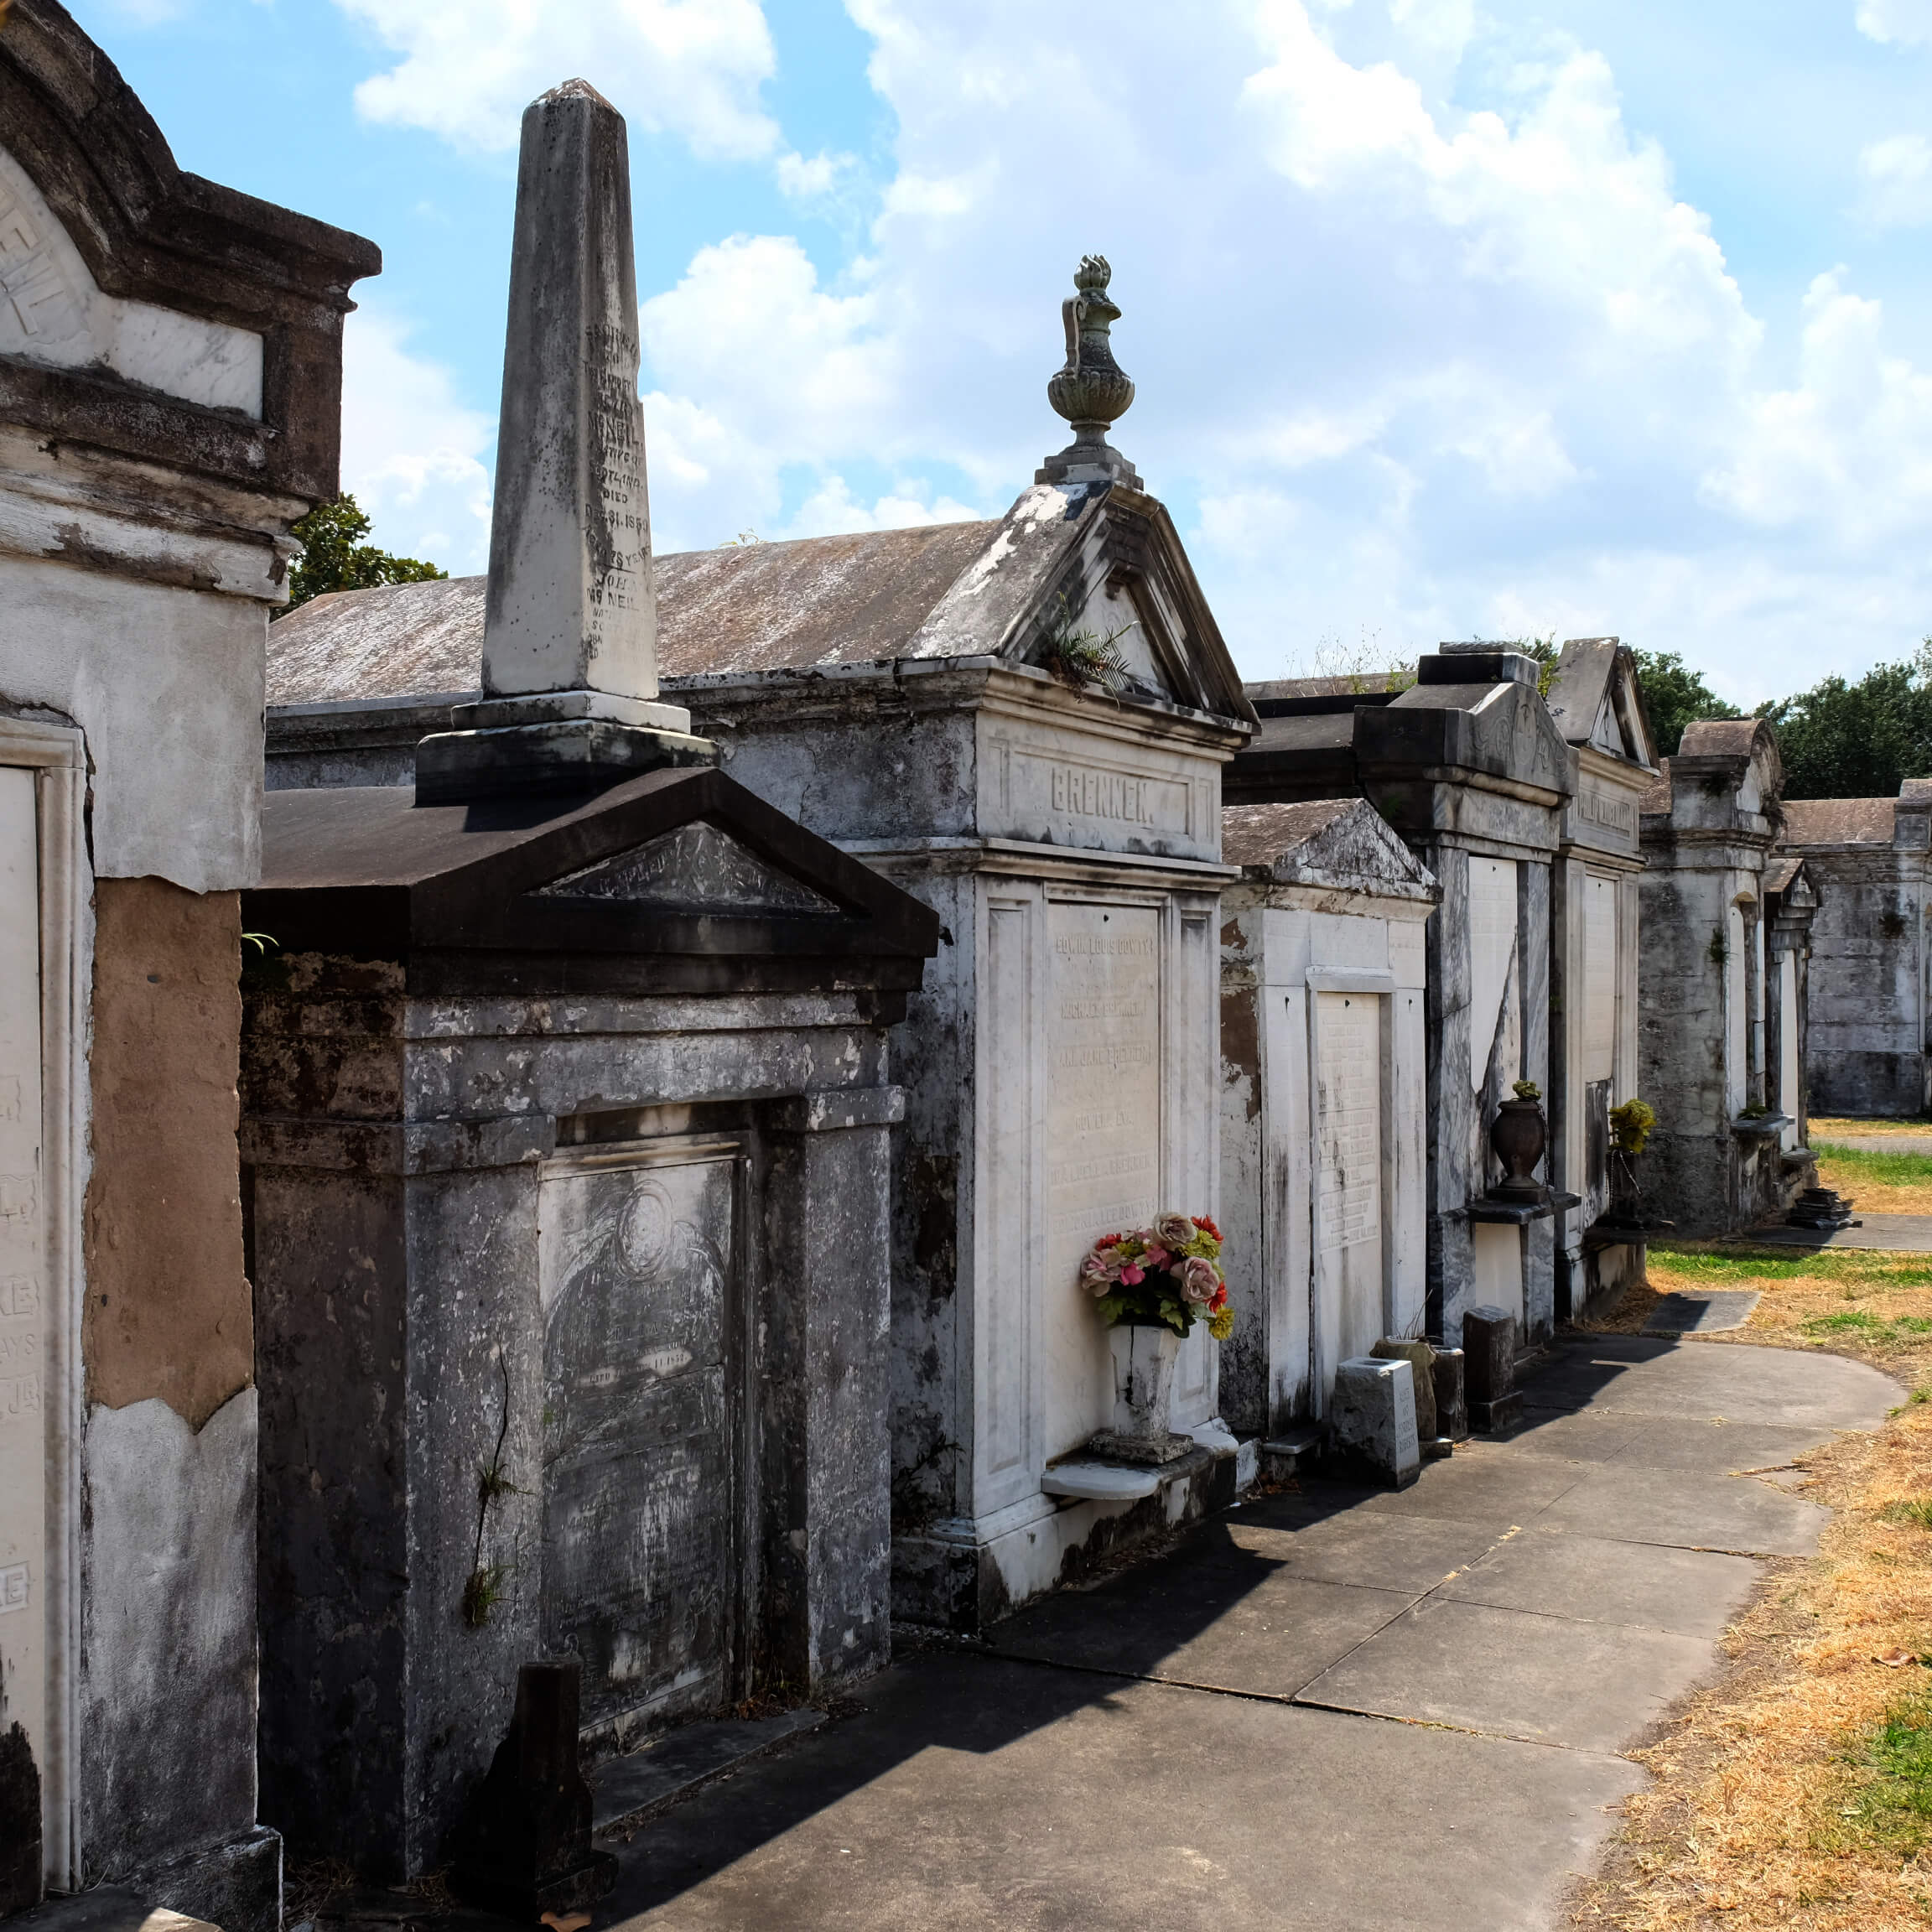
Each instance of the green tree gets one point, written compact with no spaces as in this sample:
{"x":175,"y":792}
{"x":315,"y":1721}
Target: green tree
{"x":1845,"y":740}
{"x":334,"y":557}
{"x":1674,"y":696}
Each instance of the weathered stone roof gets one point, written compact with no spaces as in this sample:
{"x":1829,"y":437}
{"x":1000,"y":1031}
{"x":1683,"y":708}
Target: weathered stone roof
{"x":820,"y":601}
{"x":939,"y":591}
{"x":1656,"y":795}
{"x":1722,"y":737}
{"x":1839,"y":821}
{"x":1325,"y":841}
{"x":1355,"y":683}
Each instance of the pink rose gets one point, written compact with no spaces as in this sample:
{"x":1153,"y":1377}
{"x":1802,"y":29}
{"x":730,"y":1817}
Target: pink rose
{"x":1157,"y":1257}
{"x":1131,"y":1275}
{"x":1199,"y":1279}
{"x":1174,"y":1230}
{"x":1095,"y":1277}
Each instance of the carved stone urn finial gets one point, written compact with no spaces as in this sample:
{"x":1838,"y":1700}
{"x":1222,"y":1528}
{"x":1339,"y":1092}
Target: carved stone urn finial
{"x":1091,"y":392}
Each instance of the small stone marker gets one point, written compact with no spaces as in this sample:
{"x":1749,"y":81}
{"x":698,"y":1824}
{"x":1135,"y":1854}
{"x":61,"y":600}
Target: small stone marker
{"x":1489,"y":1366}
{"x":1451,"y":1396}
{"x":1372,"y":1415}
{"x":570,"y":627}
{"x":1421,"y":1357}
{"x":524,"y":1848}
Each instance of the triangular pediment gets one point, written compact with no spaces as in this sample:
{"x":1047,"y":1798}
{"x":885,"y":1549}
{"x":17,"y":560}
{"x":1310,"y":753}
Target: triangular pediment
{"x":1097,"y":562}
{"x":1595,"y":699}
{"x":697,"y":870}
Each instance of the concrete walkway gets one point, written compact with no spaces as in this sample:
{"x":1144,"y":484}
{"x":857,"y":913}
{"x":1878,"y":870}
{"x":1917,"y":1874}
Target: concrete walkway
{"x":1204,"y":1743}
{"x":1897,"y":1234}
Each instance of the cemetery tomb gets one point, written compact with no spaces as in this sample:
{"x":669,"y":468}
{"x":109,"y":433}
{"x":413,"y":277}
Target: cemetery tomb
{"x":1323,"y":1135}
{"x":1721,"y":914}
{"x":1869,"y":860}
{"x":567,"y":1127}
{"x":1598,"y":707}
{"x":169,"y":406}
{"x":909,"y":695}
{"x":1467,"y":766}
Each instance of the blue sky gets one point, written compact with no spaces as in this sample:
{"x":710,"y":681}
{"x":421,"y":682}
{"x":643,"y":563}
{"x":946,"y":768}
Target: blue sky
{"x":1448,"y":321}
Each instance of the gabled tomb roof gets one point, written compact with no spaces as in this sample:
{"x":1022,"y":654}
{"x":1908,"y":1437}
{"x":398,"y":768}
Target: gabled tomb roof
{"x":1597,"y":699}
{"x":680,"y":878}
{"x":989,"y":589}
{"x":1840,"y":821}
{"x":1324,"y":842}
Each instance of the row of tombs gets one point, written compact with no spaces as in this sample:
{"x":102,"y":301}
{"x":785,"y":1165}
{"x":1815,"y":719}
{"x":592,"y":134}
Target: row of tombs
{"x":700,"y":1012}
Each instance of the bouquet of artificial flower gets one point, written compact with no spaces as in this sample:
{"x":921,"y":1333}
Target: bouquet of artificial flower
{"x":1169,"y":1274}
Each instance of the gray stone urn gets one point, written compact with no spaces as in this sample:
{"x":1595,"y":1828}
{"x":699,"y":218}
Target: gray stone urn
{"x":1519,"y":1136}
{"x":1143,"y":1358}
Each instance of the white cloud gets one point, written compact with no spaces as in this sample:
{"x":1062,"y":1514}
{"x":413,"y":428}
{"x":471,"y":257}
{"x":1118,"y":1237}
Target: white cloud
{"x":691,"y":68}
{"x":1408,"y":369}
{"x":1906,"y":21}
{"x":820,"y":178}
{"x":1850,"y":449}
{"x":1895,"y":181}
{"x":832,"y":509}
{"x":413,"y":455}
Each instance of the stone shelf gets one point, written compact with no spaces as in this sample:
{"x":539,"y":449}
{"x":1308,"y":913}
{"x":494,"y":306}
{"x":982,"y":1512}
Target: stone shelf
{"x":1100,"y":1482}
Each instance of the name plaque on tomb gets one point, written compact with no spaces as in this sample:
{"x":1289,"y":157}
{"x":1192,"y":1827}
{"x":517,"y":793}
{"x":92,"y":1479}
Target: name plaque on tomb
{"x":23,"y":1301}
{"x":1063,"y":789}
{"x":1102,"y":1132}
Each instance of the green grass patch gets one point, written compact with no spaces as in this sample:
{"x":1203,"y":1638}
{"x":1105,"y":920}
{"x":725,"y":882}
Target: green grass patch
{"x":1892,"y":1806}
{"x":1867,"y":1164}
{"x":1747,"y":1265}
{"x":1873,"y":1327}
{"x":1916,"y":1511}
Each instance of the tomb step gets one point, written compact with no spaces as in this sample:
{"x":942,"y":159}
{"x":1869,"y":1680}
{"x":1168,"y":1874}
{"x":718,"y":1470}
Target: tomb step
{"x":1294,"y":1452}
{"x":106,"y":1909}
{"x":627,"y":1791}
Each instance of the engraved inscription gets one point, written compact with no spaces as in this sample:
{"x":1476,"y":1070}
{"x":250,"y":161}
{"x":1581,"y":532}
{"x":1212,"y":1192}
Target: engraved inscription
{"x":1607,"y":809}
{"x":1349,"y":1080}
{"x":1091,"y":802}
{"x":1103,"y":1127}
{"x":1101,"y":794}
{"x":14,"y":1587}
{"x":43,"y":306}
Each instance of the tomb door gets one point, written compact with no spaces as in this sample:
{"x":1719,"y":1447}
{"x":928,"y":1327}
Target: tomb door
{"x":1599,"y":1062}
{"x":1103,"y":1141}
{"x":23,"y":1311}
{"x":1348,"y":1315}
{"x":644,"y":1455}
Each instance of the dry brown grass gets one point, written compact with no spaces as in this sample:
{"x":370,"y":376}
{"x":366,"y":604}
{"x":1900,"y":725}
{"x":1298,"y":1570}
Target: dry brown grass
{"x":1778,"y":1800}
{"x":1880,"y":1182}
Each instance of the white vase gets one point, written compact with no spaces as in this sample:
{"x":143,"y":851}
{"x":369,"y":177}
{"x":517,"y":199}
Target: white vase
{"x":1144,"y":1361}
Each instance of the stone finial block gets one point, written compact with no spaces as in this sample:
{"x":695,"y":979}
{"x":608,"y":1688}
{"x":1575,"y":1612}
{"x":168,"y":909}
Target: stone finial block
{"x":524,"y":1848}
{"x":1451,"y":1394}
{"x":1490,"y":1364}
{"x":571,"y":605}
{"x":1421,"y":1357}
{"x":1372,"y":1415}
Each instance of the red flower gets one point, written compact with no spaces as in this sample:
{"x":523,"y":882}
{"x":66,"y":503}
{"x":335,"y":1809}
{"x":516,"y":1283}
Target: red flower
{"x":1207,"y":1226}
{"x":1219,"y":1300}
{"x":1107,"y":1241}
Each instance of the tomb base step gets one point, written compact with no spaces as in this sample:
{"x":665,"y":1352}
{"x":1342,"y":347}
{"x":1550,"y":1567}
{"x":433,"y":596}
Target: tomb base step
{"x":627,"y":1791}
{"x":963,"y":1576}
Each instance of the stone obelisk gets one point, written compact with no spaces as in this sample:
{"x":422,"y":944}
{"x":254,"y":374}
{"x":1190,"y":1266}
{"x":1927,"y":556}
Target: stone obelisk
{"x":570,"y":631}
